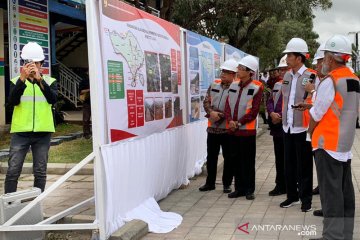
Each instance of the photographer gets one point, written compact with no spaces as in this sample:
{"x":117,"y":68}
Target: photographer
{"x":32,"y":95}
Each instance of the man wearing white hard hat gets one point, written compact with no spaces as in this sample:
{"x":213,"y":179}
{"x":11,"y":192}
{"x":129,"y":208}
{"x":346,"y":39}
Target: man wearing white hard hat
{"x":297,"y":151}
{"x":241,"y":111}
{"x":274,"y":108}
{"x":332,"y":130}
{"x":214,"y":105}
{"x":32,"y":95}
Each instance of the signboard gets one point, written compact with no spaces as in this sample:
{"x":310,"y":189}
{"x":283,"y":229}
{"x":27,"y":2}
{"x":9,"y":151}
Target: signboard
{"x":28,"y":22}
{"x":141,"y":54}
{"x":2,"y":71}
{"x":232,"y":52}
{"x":203,"y":60}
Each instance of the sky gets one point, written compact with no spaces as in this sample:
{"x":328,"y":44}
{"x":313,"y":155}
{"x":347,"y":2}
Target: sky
{"x":342,"y":18}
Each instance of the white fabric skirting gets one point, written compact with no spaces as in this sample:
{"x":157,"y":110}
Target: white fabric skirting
{"x":142,"y":170}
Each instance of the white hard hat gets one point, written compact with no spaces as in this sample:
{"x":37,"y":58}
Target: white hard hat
{"x":320,"y":52}
{"x":230,"y":65}
{"x":282,"y":62}
{"x":338,"y":44}
{"x":250,"y":62}
{"x":32,"y":51}
{"x":297,"y":45}
{"x":314,"y":62}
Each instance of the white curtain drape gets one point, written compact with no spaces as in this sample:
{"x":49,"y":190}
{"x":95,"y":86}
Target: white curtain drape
{"x":142,"y":170}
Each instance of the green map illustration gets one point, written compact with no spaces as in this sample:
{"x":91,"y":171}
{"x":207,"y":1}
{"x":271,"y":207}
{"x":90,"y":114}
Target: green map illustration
{"x":128,"y":46}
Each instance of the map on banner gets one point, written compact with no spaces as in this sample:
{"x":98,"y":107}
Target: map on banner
{"x":204,"y":57}
{"x":143,"y":79}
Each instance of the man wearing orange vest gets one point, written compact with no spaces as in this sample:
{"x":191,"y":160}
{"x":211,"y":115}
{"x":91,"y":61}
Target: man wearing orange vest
{"x":241,"y":110}
{"x":297,"y":151}
{"x":332,"y":129}
{"x":214,"y":104}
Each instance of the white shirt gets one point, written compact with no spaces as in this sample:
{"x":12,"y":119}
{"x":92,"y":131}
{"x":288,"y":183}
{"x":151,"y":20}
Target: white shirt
{"x":265,"y":79}
{"x":290,"y":111}
{"x":324,"y":97}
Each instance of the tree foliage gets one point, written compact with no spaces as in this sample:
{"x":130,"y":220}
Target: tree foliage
{"x":260,"y":27}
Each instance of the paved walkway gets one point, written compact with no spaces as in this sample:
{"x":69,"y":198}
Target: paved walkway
{"x":213,"y":215}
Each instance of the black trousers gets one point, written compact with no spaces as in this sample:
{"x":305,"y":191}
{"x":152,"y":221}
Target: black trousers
{"x":86,"y":119}
{"x":214,"y":142}
{"x":279,"y":162}
{"x":298,"y":167}
{"x":337,"y":196}
{"x":243,"y":153}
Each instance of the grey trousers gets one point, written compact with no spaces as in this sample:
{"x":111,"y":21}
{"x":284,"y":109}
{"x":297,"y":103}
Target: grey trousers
{"x":336,"y":195}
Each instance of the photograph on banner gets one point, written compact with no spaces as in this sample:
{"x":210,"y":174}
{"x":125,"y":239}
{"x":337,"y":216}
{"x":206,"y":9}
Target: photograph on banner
{"x":204,"y":56}
{"x":232,"y":52}
{"x":28,"y":22}
{"x":143,"y":78}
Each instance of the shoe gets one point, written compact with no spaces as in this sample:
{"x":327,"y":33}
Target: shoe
{"x":318,"y":213}
{"x":235,"y":194}
{"x":227,"y":189}
{"x":206,"y":187}
{"x":250,"y":196}
{"x":276,"y":192}
{"x":289,"y":203}
{"x":317,"y":238}
{"x":315,"y":191}
{"x":306,"y":207}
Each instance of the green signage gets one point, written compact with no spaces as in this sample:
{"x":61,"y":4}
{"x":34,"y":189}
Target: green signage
{"x":116,"y":79}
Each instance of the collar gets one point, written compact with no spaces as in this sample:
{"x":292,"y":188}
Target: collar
{"x":242,"y":85}
{"x":225,"y":85}
{"x":300,"y":71}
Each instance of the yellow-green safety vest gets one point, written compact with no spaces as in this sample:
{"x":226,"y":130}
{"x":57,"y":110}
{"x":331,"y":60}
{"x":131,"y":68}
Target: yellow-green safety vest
{"x":33,"y":113}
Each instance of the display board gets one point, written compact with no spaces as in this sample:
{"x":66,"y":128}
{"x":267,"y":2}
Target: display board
{"x":2,"y":70}
{"x":203,"y":67}
{"x":28,"y":22}
{"x":141,"y":54}
{"x":232,"y":52}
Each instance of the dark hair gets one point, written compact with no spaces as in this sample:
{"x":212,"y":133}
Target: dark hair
{"x":303,"y":58}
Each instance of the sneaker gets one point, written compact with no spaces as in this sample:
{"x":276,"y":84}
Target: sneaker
{"x":227,"y":189}
{"x":276,"y":192}
{"x":289,"y":203}
{"x":318,"y":213}
{"x":206,"y":187}
{"x":306,"y":207}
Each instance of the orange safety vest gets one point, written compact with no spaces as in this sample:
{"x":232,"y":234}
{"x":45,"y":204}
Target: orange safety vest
{"x":245,"y":103}
{"x":218,"y":97}
{"x":301,"y":118}
{"x":336,"y":130}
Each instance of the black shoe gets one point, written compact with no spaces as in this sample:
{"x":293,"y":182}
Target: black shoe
{"x":235,"y":194}
{"x":289,"y":203}
{"x":276,"y":192}
{"x":317,"y":238}
{"x":250,"y":196}
{"x":206,"y":187}
{"x":306,"y":207}
{"x":318,"y":213}
{"x":227,"y":189}
{"x":315,"y":191}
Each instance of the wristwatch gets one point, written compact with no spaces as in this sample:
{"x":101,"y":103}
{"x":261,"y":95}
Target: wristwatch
{"x":312,"y":91}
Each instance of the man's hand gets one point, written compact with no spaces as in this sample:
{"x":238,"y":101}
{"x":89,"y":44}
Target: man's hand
{"x":25,"y":72}
{"x":214,"y":116}
{"x":309,"y":87}
{"x":233,"y":125}
{"x":275,"y":118}
{"x":35,"y":71}
{"x":303,"y":106}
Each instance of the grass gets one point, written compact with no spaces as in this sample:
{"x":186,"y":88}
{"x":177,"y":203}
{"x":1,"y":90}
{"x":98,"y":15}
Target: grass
{"x":67,"y":152}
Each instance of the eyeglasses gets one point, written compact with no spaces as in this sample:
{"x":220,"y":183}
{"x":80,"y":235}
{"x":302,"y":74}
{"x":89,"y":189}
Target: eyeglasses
{"x":242,"y":68}
{"x":226,"y":72}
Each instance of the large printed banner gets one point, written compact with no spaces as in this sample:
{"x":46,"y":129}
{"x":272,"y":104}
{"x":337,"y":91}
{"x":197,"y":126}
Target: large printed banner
{"x":28,"y":22}
{"x":232,"y":52}
{"x":142,"y":67}
{"x":2,"y":72}
{"x":203,"y":61}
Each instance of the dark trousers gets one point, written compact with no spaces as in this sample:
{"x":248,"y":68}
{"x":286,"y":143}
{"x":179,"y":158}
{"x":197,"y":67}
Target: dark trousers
{"x":19,"y":146}
{"x":298,"y":167}
{"x":214,"y":142}
{"x":279,"y":162}
{"x":86,"y":119}
{"x":243,"y":153}
{"x":337,"y":196}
